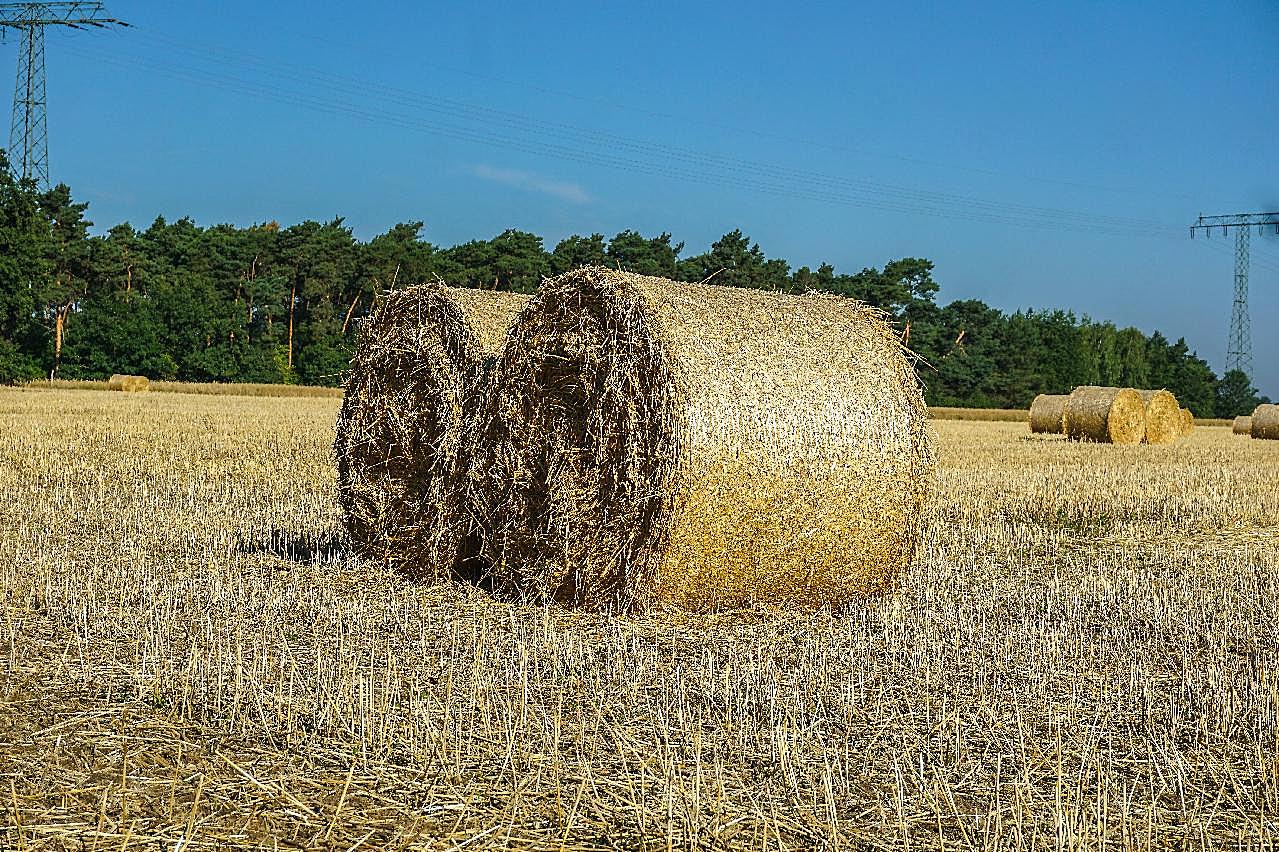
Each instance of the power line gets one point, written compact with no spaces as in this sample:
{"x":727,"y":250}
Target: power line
{"x":29,"y":125}
{"x":1239,"y":346}
{"x":466,"y":122}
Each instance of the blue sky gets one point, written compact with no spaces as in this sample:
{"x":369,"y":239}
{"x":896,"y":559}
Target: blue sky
{"x":1041,"y":155}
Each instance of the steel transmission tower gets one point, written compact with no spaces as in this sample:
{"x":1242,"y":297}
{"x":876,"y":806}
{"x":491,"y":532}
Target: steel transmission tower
{"x":1239,"y":346}
{"x":28,"y":129}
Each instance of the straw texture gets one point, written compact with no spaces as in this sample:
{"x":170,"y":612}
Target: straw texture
{"x":1265,"y":422}
{"x":1164,"y":424}
{"x":1108,"y":415}
{"x":1187,"y":421}
{"x":654,"y":443}
{"x":129,"y":384}
{"x":1048,"y":413}
{"x":1242,"y":425}
{"x":406,"y":424}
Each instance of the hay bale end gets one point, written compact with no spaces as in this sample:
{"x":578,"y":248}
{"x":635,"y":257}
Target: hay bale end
{"x":407,"y":421}
{"x":1265,"y":422}
{"x":1106,"y":415}
{"x":129,"y":384}
{"x":1164,"y":423}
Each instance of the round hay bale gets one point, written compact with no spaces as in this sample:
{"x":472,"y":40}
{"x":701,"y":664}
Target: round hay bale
{"x":129,"y":384}
{"x":406,"y":423}
{"x":1163,"y":417}
{"x":1265,"y":422}
{"x":1242,"y":425}
{"x":1187,"y":421}
{"x":1107,"y":415}
{"x":1047,"y":413}
{"x":655,"y":443}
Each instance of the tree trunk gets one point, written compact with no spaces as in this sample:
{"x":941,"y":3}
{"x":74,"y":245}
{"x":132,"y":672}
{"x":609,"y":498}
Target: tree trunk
{"x":349,"y":312}
{"x":293,"y":297}
{"x":59,"y":323}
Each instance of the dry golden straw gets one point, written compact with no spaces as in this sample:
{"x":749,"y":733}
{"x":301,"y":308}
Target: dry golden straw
{"x":1047,"y":413}
{"x":1265,"y":422}
{"x":129,"y":384}
{"x":1242,"y":425}
{"x":1187,"y":421}
{"x":1164,"y":424}
{"x":1107,"y":415}
{"x":702,"y":447}
{"x":406,"y":423}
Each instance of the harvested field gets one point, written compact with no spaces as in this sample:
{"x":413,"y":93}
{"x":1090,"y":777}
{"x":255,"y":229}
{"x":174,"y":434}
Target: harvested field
{"x":1083,"y":656}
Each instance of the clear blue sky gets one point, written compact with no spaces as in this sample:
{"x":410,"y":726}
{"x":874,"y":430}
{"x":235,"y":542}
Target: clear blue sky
{"x":1043,"y":155}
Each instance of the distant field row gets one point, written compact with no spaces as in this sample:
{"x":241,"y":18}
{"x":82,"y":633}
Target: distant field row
{"x":206,"y":388}
{"x":1011,"y":415}
{"x":1019,"y":415}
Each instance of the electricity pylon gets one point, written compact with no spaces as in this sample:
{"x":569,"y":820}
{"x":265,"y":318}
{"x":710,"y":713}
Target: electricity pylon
{"x":1239,"y":346}
{"x":28,"y":130}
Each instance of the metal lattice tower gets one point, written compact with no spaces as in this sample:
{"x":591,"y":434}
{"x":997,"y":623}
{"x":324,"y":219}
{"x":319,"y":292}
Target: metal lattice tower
{"x":28,"y":127}
{"x":1239,"y":345}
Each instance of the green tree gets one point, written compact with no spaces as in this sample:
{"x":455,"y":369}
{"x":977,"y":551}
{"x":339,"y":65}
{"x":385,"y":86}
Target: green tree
{"x":633,"y":252}
{"x":735,"y":261}
{"x":1235,"y":395}
{"x":574,"y":252}
{"x":69,"y":258}
{"x":25,"y":265}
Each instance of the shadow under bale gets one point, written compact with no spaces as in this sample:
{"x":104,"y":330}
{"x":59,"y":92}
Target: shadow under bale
{"x":324,"y":547}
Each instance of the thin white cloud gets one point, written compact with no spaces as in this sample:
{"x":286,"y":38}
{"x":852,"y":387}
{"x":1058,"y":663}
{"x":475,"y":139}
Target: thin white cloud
{"x":566,"y":190}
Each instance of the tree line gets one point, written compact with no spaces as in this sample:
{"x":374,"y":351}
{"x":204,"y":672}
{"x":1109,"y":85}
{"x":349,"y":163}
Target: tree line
{"x":284,"y":304}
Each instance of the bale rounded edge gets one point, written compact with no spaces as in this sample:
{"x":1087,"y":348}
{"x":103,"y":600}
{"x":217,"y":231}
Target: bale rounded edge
{"x":1048,"y":414}
{"x":1164,"y":423}
{"x":1106,"y":415}
{"x":1265,"y":422}
{"x":701,"y":447}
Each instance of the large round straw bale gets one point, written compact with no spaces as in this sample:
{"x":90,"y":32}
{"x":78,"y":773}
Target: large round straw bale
{"x":1265,"y":422}
{"x":1108,"y":415}
{"x":1047,"y":413}
{"x":407,"y":421}
{"x":687,"y":445}
{"x":129,"y":384}
{"x":1242,"y":425}
{"x":1187,"y":421}
{"x":1163,"y":417}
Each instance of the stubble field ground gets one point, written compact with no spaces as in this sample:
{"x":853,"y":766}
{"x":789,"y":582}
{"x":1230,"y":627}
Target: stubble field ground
{"x":1085,"y":655}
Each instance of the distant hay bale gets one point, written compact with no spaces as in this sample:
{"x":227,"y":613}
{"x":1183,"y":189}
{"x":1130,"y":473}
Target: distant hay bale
{"x":1265,"y":422}
{"x":1107,"y":415}
{"x":129,"y":384}
{"x":406,"y":421}
{"x":1242,"y":425}
{"x":655,"y":443}
{"x":1187,"y":421}
{"x":1163,"y":417}
{"x":1047,"y":413}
